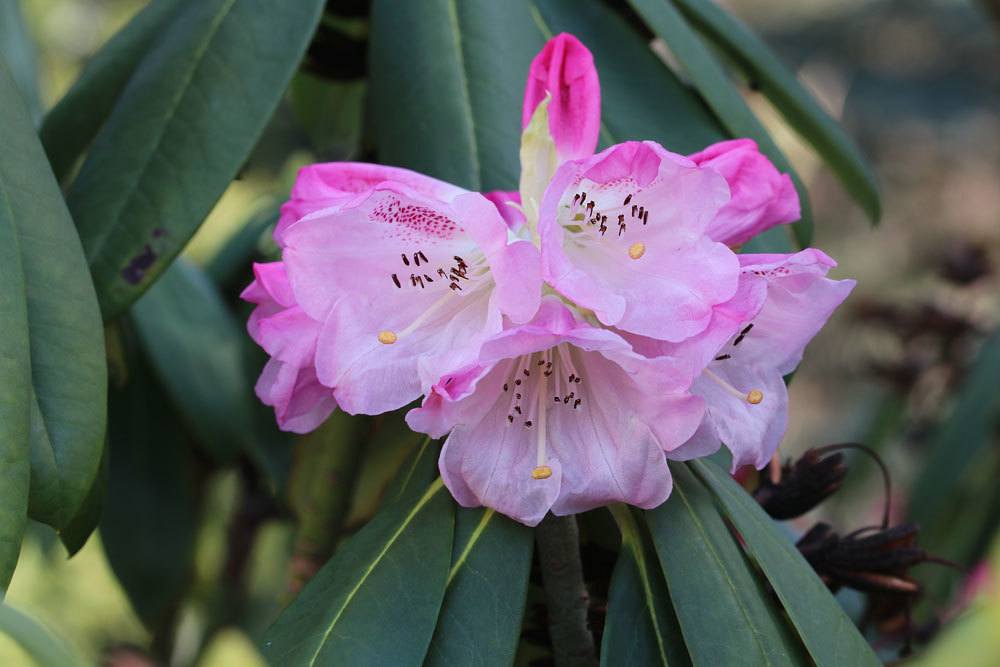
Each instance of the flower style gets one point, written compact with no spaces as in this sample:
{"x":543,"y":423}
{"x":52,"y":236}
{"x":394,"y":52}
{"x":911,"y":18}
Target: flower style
{"x":566,"y":401}
{"x":568,"y":338}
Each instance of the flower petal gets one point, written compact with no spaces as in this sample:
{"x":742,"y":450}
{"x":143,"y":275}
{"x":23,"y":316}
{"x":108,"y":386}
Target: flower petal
{"x":800,"y":299}
{"x":564,"y":69}
{"x":508,"y":203}
{"x":300,"y":402}
{"x":332,"y":184}
{"x":636,"y":252}
{"x":761,"y":197}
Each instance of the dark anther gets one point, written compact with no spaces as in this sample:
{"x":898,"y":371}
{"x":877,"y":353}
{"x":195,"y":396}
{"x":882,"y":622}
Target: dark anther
{"x":510,"y":418}
{"x":576,"y":403}
{"x":405,"y":259}
{"x":428,"y":278}
{"x":528,"y":423}
{"x":517,"y":382}
{"x":396,"y":280}
{"x":723,"y":357}
{"x":506,"y":387}
{"x":645,"y":217}
{"x":416,"y":258}
{"x":517,"y":409}
{"x":627,"y":200}
{"x":526,"y":372}
{"x":422,"y":256}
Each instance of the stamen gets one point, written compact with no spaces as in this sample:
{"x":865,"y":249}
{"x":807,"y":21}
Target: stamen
{"x":753,"y":397}
{"x":387,"y":337}
{"x":637,"y":250}
{"x":541,"y":472}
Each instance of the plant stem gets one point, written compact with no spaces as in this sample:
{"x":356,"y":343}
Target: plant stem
{"x":558,"y":540}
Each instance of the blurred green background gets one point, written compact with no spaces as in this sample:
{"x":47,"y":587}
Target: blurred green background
{"x":915,"y":83}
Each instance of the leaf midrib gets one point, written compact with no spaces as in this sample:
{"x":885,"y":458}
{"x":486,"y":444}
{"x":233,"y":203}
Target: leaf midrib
{"x":140,"y":175}
{"x":404,"y":524}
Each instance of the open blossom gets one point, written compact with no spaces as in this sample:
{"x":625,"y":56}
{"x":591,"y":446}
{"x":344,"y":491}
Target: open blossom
{"x":396,"y":274}
{"x":568,"y":402}
{"x":654,"y":339}
{"x":752,"y":342}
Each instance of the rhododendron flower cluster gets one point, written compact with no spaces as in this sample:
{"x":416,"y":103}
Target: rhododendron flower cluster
{"x":567,"y":338}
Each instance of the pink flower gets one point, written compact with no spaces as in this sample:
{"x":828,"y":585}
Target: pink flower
{"x":752,"y":342}
{"x":282,"y":328}
{"x":557,"y":415}
{"x":623,"y":233}
{"x":655,"y":340}
{"x":760,"y":197}
{"x":403,"y":285}
{"x":564,"y":71}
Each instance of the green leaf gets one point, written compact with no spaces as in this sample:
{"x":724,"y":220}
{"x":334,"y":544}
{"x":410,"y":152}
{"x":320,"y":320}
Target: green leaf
{"x":77,"y":531}
{"x":458,"y":69}
{"x":15,"y":391}
{"x":724,"y":611}
{"x":330,"y":112}
{"x":710,"y":79}
{"x":184,"y":124}
{"x":827,"y":633}
{"x":641,"y":627}
{"x":641,"y":98}
{"x":195,"y":345}
{"x":376,"y":601}
{"x":480,"y":621}
{"x":798,"y":107}
{"x":66,"y":395}
{"x":45,"y":649}
{"x":18,"y":50}
{"x":70,"y":126}
{"x":149,"y":521}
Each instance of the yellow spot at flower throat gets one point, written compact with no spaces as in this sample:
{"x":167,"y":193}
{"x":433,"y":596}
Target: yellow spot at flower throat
{"x":387,"y":337}
{"x":637,"y":250}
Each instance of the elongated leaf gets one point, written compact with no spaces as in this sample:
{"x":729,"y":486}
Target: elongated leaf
{"x":44,"y":648}
{"x":15,"y":389}
{"x":70,"y":126}
{"x":376,"y":601}
{"x":195,"y":346}
{"x":458,"y":69}
{"x":798,"y":107}
{"x":724,"y":611}
{"x":66,"y":395}
{"x":641,"y":98}
{"x":641,"y":627}
{"x":958,"y":441}
{"x":827,"y":633}
{"x":182,"y":127}
{"x":708,"y":76}
{"x":148,"y":525}
{"x":18,"y":50}
{"x":480,"y":620}
{"x":77,"y":531}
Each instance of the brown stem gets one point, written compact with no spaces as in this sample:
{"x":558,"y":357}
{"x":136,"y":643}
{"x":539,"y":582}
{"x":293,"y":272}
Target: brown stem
{"x":558,"y":540}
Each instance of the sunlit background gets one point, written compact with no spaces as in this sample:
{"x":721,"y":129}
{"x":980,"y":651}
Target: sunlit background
{"x":916,"y":83}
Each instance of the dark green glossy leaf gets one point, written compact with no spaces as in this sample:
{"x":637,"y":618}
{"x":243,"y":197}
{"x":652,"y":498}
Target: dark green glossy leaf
{"x":417,"y":470}
{"x":149,"y":521}
{"x":77,"y":531}
{"x":641,"y":627}
{"x":724,"y":611}
{"x":825,"y":630}
{"x":446,"y":84}
{"x":377,"y":600}
{"x":44,"y":648}
{"x":195,"y":345}
{"x":15,"y":387}
{"x":641,"y":98}
{"x":18,"y":50}
{"x":183,"y":126}
{"x":710,"y":79}
{"x":66,"y":396}
{"x":798,"y":107}
{"x":70,"y":126}
{"x":330,"y":112}
{"x":480,"y":620}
